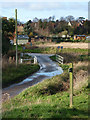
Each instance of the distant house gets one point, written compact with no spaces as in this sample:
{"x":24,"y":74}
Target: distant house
{"x":69,"y":24}
{"x":79,"y":37}
{"x":22,"y":39}
{"x":5,"y":18}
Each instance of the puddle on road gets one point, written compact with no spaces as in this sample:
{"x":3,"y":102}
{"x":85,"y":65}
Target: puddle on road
{"x":47,"y":75}
{"x":27,"y":80}
{"x":47,"y":70}
{"x":51,"y":74}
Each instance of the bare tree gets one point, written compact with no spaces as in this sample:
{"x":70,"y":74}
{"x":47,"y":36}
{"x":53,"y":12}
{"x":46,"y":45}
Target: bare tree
{"x":35,"y":19}
{"x":62,"y":19}
{"x":70,"y":18}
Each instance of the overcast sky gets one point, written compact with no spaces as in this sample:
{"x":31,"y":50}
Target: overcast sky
{"x":27,"y":10}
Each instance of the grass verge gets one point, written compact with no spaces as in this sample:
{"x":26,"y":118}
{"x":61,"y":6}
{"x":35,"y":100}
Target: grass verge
{"x":71,"y":57}
{"x":48,"y":99}
{"x":13,"y":74}
{"x":50,"y":50}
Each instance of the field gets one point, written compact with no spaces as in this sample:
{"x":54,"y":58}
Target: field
{"x":49,"y":50}
{"x":66,"y":45}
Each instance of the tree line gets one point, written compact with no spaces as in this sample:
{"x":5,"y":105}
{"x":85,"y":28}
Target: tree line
{"x":45,"y":27}
{"x":8,"y":28}
{"x":68,"y":25}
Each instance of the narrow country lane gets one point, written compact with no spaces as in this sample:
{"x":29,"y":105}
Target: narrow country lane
{"x":48,"y":68}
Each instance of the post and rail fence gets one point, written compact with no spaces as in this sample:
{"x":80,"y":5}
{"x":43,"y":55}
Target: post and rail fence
{"x":24,"y":59}
{"x":59,"y":59}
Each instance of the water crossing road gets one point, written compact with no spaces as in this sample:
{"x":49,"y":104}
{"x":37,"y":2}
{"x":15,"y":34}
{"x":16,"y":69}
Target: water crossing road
{"x":48,"y":69}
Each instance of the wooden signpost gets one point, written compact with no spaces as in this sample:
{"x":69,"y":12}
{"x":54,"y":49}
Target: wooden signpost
{"x":71,"y":84}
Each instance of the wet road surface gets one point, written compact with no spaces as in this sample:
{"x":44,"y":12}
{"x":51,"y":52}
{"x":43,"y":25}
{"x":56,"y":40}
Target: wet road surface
{"x":48,"y":69}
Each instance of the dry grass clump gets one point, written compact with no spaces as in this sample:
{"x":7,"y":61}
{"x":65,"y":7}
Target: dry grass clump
{"x":70,"y":57}
{"x":80,"y":79}
{"x":85,"y":63}
{"x":80,"y":74}
{"x":6,"y":62}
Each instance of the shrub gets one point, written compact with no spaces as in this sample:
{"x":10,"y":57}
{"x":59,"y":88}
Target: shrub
{"x":64,"y":66}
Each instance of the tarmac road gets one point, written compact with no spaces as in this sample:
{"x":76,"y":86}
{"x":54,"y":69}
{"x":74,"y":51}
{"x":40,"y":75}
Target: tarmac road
{"x":48,"y":69}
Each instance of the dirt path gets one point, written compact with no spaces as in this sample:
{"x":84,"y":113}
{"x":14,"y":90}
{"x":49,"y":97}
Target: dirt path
{"x":67,"y":45}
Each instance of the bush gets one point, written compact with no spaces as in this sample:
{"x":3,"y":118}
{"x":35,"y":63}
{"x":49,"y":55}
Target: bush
{"x":5,"y":45}
{"x":64,"y":66}
{"x":84,"y":58}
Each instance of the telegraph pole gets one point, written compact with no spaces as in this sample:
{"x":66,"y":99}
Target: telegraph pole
{"x":16,"y":36}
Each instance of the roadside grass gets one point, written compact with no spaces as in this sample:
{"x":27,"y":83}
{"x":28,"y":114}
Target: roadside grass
{"x":13,"y":74}
{"x":49,"y":99}
{"x":75,"y":50}
{"x":53,"y":57}
{"x":72,"y":57}
{"x":52,"y":50}
{"x":55,"y":106}
{"x":46,"y":100}
{"x":64,"y":66}
{"x":83,"y":67}
{"x":49,"y":50}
